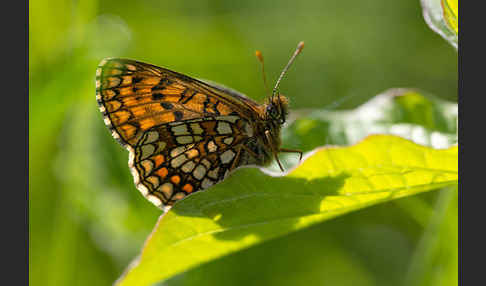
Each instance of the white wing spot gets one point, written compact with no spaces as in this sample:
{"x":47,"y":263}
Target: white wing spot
{"x":136,"y":176}
{"x":228,"y":140}
{"x":206,"y":163}
{"x":180,"y":130}
{"x":147,"y":151}
{"x":212,"y":147}
{"x":224,"y":128}
{"x":176,"y":151}
{"x":152,"y":136}
{"x":176,"y":162}
{"x":154,"y":200}
{"x":196,"y":128}
{"x":184,"y":139}
{"x":230,"y":118}
{"x":199,"y":172}
{"x":188,"y":167}
{"x":115,"y":135}
{"x":142,"y":189}
{"x":107,"y":121}
{"x":227,"y":156}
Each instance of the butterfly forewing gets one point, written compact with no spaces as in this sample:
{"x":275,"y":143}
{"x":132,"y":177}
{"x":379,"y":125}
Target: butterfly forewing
{"x":183,"y":135}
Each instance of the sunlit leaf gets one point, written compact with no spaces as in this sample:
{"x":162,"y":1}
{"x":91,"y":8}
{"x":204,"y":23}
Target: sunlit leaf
{"x":251,"y":207}
{"x":407,"y":113}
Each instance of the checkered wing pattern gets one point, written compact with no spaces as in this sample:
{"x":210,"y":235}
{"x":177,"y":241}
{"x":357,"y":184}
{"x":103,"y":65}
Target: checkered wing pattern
{"x":183,"y":135}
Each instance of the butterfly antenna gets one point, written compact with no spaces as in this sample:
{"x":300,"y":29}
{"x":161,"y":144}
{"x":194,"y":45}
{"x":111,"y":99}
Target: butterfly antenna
{"x":300,"y":46}
{"x":259,"y":56}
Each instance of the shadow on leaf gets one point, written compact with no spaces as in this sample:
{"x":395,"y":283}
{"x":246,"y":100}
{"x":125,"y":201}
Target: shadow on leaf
{"x":251,"y":207}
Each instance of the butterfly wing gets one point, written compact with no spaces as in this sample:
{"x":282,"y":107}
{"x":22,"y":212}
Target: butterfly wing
{"x":174,"y":160}
{"x":183,"y":135}
{"x":135,"y":96}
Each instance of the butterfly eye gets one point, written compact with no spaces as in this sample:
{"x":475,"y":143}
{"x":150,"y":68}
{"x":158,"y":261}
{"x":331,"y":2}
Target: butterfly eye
{"x":272,"y":111}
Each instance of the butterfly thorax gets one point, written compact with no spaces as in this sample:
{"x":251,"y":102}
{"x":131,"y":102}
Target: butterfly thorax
{"x":266,"y":140}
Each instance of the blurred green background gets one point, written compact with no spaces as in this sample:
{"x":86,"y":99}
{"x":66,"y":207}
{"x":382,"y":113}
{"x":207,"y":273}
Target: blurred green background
{"x":86,"y":219}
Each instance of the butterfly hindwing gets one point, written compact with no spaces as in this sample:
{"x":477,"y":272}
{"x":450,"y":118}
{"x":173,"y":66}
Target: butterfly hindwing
{"x":174,"y":160}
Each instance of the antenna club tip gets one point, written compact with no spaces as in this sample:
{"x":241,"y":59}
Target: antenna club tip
{"x":259,"y":55}
{"x":300,"y":46}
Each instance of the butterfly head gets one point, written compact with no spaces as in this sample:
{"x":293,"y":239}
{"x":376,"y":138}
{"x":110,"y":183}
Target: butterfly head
{"x":276,"y":109}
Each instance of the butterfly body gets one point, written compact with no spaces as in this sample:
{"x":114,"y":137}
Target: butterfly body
{"x":184,"y":135}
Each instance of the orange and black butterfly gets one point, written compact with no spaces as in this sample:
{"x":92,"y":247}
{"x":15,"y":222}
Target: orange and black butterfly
{"x":185,"y":135}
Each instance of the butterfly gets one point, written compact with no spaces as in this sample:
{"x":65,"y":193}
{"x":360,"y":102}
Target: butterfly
{"x":185,"y":135}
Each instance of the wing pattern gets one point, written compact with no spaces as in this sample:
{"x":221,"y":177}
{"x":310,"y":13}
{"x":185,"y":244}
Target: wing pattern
{"x":183,"y":135}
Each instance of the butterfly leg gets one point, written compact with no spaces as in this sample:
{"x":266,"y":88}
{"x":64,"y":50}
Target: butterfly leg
{"x":251,"y":152}
{"x":278,"y":161}
{"x":292,"y":151}
{"x":269,"y":138}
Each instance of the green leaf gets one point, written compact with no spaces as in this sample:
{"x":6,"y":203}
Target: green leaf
{"x":250,"y":207}
{"x":408,"y":113}
{"x":442,"y":18}
{"x":438,"y":245}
